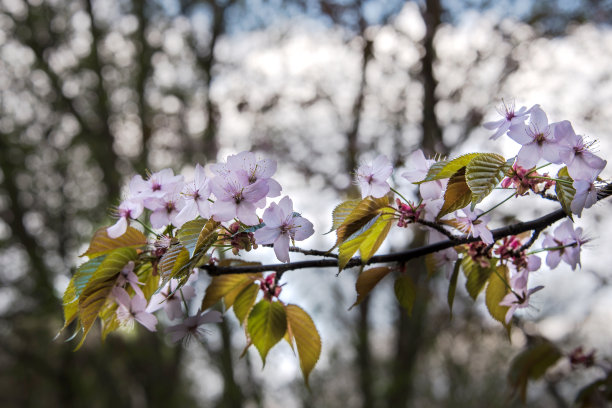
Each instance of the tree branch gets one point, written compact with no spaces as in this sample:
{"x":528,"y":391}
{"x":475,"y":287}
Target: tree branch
{"x":538,"y":224}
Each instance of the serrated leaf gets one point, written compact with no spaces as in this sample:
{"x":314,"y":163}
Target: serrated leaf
{"x":477,"y":276}
{"x":565,"y":192}
{"x":405,"y":292}
{"x":101,"y":243}
{"x":457,"y":195}
{"x":449,"y":168}
{"x":151,"y":281}
{"x":172,"y":261}
{"x":306,"y":336}
{"x":207,"y":238}
{"x":244,"y":302}
{"x":452,"y":286}
{"x":223,"y":285}
{"x":266,"y":326}
{"x":532,"y":363}
{"x":497,"y":289}
{"x":364,"y":212}
{"x":367,"y":240}
{"x":367,"y":280}
{"x":341,"y":212}
{"x":108,"y":318}
{"x":483,"y":173}
{"x":99,"y":287}
{"x":189,"y":234}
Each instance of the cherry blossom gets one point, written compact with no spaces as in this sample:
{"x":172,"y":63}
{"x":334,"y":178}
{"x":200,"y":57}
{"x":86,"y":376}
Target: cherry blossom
{"x":569,"y":240}
{"x":419,"y":166}
{"x":281,"y":226}
{"x":195,"y":196}
{"x":584,"y":197}
{"x":475,"y":224}
{"x":520,"y":300}
{"x":510,"y":118}
{"x":237,"y":198}
{"x":157,"y":186}
{"x":372,"y":179}
{"x":166,"y":208}
{"x":133,"y":309}
{"x":192,"y":326}
{"x":581,"y":163}
{"x":537,"y":140}
{"x":128,"y":276}
{"x":128,"y":209}
{"x":170,"y":299}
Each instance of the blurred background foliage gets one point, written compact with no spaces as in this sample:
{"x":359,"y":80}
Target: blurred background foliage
{"x":92,"y":91}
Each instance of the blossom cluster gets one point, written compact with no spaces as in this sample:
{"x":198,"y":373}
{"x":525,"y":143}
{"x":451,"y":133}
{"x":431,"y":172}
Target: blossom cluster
{"x":231,"y":191}
{"x":554,"y":143}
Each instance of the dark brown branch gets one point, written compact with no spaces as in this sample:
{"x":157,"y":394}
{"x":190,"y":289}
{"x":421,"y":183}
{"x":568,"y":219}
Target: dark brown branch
{"x":313,"y":252}
{"x":514,"y":229}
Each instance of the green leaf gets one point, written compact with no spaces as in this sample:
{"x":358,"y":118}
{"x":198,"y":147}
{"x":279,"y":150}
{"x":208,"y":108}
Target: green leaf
{"x":532,"y":363}
{"x":172,"y":261}
{"x":101,"y":243}
{"x":341,"y":212}
{"x":306,"y":337}
{"x":477,"y":276}
{"x":439,"y":171}
{"x":485,"y":172}
{"x":367,"y":280}
{"x":99,"y":287}
{"x":266,"y":326}
{"x":223,"y":285}
{"x":364,"y":212}
{"x":244,"y":302}
{"x":452,"y":286}
{"x":108,"y":317}
{"x":151,"y":281}
{"x":367,"y":240}
{"x":405,"y":292}
{"x":189,"y":234}
{"x":565,"y":192}
{"x":497,"y":289}
{"x":457,"y":194}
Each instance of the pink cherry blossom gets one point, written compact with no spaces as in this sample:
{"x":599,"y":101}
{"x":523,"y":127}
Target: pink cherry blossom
{"x":372,"y":179}
{"x":195,"y":196}
{"x":475,"y":225}
{"x":192,"y":326}
{"x":517,"y":300}
{"x":585,"y":196}
{"x":510,"y":118}
{"x":129,"y":209}
{"x":131,"y":310}
{"x":445,"y":259}
{"x":537,"y":140}
{"x":581,"y":163}
{"x":166,"y":208}
{"x":157,"y":186}
{"x":418,"y":168}
{"x":281,"y":226}
{"x":237,"y":198}
{"x":128,"y":276}
{"x":171,"y":300}
{"x":570,"y":240}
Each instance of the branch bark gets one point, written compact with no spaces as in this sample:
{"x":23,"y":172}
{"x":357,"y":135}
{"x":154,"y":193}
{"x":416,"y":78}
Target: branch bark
{"x":514,"y":229}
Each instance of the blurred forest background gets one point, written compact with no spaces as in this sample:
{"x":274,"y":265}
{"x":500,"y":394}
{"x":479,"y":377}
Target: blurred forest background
{"x":93,"y":91}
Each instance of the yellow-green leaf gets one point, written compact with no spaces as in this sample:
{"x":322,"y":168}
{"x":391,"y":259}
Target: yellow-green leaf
{"x":376,"y":235}
{"x":497,"y":289}
{"x":108,"y":317}
{"x":341,"y":212}
{"x":532,"y":363}
{"x":452,"y":286}
{"x":208,"y":236}
{"x":565,"y":191}
{"x":483,"y":173}
{"x":101,"y":243}
{"x":151,"y":282}
{"x":221,"y":286}
{"x":189,"y":233}
{"x":477,"y":276}
{"x":244,"y":302}
{"x":367,"y":280}
{"x":99,"y":287}
{"x":405,"y":292}
{"x":449,"y":168}
{"x":266,"y":326}
{"x":362,"y":214}
{"x":457,"y":195}
{"x":306,"y":338}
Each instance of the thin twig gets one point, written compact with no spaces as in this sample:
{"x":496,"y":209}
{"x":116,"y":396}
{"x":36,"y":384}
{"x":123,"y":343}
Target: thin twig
{"x":313,"y":252}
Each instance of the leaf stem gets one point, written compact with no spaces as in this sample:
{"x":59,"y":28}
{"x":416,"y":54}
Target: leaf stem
{"x":496,"y":205}
{"x":147,"y":228}
{"x":399,"y":194}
